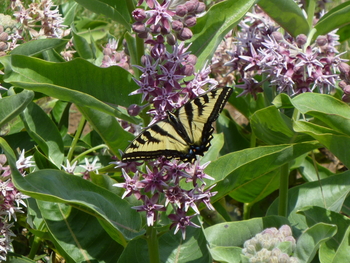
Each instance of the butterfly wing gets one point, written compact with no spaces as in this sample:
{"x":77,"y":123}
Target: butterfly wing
{"x":184,"y":134}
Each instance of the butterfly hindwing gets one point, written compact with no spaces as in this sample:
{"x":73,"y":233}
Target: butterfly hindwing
{"x":184,"y":134}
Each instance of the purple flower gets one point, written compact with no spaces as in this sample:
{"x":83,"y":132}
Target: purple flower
{"x":150,"y":206}
{"x":181,"y":221}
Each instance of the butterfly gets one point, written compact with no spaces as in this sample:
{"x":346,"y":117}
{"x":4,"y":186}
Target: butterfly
{"x":184,"y":134}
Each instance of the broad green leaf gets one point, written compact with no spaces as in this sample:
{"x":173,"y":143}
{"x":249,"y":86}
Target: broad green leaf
{"x":272,"y":126}
{"x":336,"y":142}
{"x":234,"y":141}
{"x":226,"y":254}
{"x":115,"y":214}
{"x":44,"y":132}
{"x":116,"y":10}
{"x":13,"y":105}
{"x":108,"y":128}
{"x":77,"y":81}
{"x":282,"y":101}
{"x":214,"y":151}
{"x":331,"y":111}
{"x":74,"y":242}
{"x":251,"y":174}
{"x":68,"y":10}
{"x":234,"y":234}
{"x":214,"y":25}
{"x":309,"y":242}
{"x":82,"y":46}
{"x":38,"y":46}
{"x":287,"y":14}
{"x":342,"y":253}
{"x":330,"y":251}
{"x":333,"y":19}
{"x":331,"y":197}
{"x":309,"y":173}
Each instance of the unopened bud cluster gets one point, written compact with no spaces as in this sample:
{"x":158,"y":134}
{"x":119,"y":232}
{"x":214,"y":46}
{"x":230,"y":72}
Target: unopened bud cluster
{"x":170,"y":19}
{"x":271,"y":246}
{"x":8,"y":32}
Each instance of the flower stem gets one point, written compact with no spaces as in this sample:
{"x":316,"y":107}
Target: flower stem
{"x":34,"y":247}
{"x":246,"y":210}
{"x":153,"y":246}
{"x":76,"y":138}
{"x":283,"y":195}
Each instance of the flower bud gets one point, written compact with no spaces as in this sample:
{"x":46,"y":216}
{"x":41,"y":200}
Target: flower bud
{"x":190,"y":21}
{"x":107,"y":51}
{"x":3,"y":46}
{"x":277,"y":36}
{"x":346,"y":89}
{"x":342,"y":84}
{"x":143,"y":35}
{"x":185,"y":34}
{"x":170,"y":39}
{"x":138,"y":27}
{"x":301,"y":40}
{"x":201,"y":8}
{"x":181,"y":10}
{"x":155,"y":29}
{"x":191,"y":59}
{"x":192,"y":5}
{"x":4,"y":36}
{"x":344,"y":68}
{"x":134,"y":109}
{"x":188,"y":70}
{"x":177,"y":25}
{"x":139,"y":14}
{"x":321,"y":41}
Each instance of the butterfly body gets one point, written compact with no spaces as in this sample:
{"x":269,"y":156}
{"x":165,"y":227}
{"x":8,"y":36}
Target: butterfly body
{"x":184,"y":134}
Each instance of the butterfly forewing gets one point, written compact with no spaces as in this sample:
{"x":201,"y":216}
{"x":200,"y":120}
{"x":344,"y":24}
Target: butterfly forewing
{"x":186,"y":133}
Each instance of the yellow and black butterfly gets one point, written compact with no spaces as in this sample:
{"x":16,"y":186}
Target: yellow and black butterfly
{"x":183,"y":134}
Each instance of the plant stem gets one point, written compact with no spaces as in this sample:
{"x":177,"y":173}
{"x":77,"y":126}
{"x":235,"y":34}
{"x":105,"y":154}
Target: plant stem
{"x":153,"y":246}
{"x":283,"y":195}
{"x":76,"y":138}
{"x":246,"y":210}
{"x":34,"y":247}
{"x":89,"y":151}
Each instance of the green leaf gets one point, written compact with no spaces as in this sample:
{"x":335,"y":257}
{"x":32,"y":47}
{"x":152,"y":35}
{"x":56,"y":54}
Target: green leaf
{"x":212,"y":27}
{"x":287,"y":14}
{"x":271,"y":126}
{"x":214,"y":151}
{"x":229,"y":236}
{"x":13,"y":105}
{"x":38,"y":46}
{"x":309,"y":242}
{"x":331,"y":250}
{"x":333,"y":19}
{"x":307,"y":170}
{"x":72,"y":240}
{"x":331,"y":111}
{"x":82,"y":47}
{"x":116,"y":10}
{"x":331,"y":197}
{"x":77,"y":81}
{"x":44,"y":132}
{"x":108,"y":128}
{"x":234,"y":141}
{"x":115,"y":214}
{"x":336,"y":142}
{"x":251,"y":174}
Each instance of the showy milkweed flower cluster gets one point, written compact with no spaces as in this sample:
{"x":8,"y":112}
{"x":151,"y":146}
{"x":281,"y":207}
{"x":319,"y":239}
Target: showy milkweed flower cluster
{"x":261,"y":53}
{"x":10,"y":201}
{"x":41,"y":19}
{"x":271,"y":245}
{"x":163,"y":88}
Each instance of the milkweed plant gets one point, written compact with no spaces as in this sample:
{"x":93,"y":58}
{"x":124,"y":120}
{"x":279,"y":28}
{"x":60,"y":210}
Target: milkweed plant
{"x":80,"y":79}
